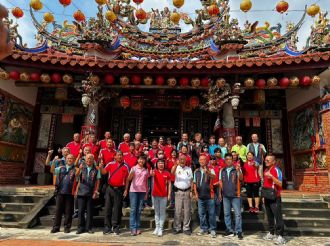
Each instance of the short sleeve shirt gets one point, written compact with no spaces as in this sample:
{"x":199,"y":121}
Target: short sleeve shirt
{"x":269,"y":183}
{"x":74,"y":148}
{"x":117,"y":178}
{"x":183,"y":177}
{"x":140,"y":179}
{"x":161,"y":180}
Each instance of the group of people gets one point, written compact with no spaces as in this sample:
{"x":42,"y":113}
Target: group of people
{"x":160,"y":175}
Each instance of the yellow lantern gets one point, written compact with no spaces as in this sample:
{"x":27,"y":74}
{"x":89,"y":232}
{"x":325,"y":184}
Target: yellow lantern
{"x":178,"y":3}
{"x":246,"y":5}
{"x":175,"y":17}
{"x":313,"y":10}
{"x":101,"y":2}
{"x":36,"y":4}
{"x":110,"y":16}
{"x":48,"y":17}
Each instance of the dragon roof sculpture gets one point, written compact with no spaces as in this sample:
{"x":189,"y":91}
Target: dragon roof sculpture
{"x":156,"y":35}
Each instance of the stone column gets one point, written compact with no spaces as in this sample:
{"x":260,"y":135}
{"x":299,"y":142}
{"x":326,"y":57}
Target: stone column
{"x":228,"y":123}
{"x":92,"y":119}
{"x":325,"y":113}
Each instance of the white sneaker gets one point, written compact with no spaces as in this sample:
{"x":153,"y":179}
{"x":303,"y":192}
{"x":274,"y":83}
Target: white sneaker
{"x":160,"y":233}
{"x":155,"y":232}
{"x":269,"y":237}
{"x":280,"y":240}
{"x":217,"y":219}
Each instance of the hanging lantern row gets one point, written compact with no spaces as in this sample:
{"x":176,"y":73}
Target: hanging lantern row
{"x":283,"y":82}
{"x":160,"y":80}
{"x":37,"y":77}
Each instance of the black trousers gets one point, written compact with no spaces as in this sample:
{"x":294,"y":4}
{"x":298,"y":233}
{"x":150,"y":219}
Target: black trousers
{"x":113,"y":207}
{"x":274,"y":216}
{"x":64,"y":204}
{"x":85,"y":203}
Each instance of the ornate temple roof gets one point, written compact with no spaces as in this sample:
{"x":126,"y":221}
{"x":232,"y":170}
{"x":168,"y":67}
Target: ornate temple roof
{"x":117,"y":37}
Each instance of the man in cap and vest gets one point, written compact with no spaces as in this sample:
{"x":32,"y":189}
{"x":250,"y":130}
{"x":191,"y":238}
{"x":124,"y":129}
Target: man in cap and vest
{"x":88,"y":184}
{"x":65,"y":189}
{"x":230,"y":178}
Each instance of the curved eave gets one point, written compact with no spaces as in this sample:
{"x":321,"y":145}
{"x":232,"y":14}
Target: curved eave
{"x":249,"y":65}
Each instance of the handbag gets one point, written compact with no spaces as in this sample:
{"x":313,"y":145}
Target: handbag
{"x":268,"y":193}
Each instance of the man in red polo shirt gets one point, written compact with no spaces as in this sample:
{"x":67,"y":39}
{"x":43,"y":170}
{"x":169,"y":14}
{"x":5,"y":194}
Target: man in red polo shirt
{"x":273,"y":180}
{"x":124,"y":146}
{"x":117,"y":174}
{"x":103,"y":142}
{"x":108,"y":153}
{"x":130,"y":159}
{"x":74,"y":146}
{"x":92,"y":143}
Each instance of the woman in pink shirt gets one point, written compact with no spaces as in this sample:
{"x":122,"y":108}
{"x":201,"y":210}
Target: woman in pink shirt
{"x":139,"y":176}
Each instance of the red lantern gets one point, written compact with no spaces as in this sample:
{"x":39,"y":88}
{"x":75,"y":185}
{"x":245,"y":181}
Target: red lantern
{"x":160,"y":80}
{"x":109,"y":79}
{"x":65,"y":2}
{"x":284,"y":82}
{"x":35,"y":76}
{"x":14,"y":75}
{"x":194,"y":101}
{"x":17,"y":12}
{"x":305,"y":81}
{"x":205,"y":82}
{"x":125,"y":102}
{"x":79,"y":16}
{"x":138,"y":1}
{"x":184,"y":81}
{"x":136,"y":80}
{"x":213,"y":10}
{"x":261,"y":83}
{"x":141,"y":14}
{"x":56,"y":78}
{"x":282,"y":7}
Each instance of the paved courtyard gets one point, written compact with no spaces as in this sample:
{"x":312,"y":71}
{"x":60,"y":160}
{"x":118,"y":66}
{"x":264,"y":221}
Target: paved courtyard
{"x":41,"y":236}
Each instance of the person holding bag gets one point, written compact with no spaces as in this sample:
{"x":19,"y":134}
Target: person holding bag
{"x":271,"y":193}
{"x":118,"y":172}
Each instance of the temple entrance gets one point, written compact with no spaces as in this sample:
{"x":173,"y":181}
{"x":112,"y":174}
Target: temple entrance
{"x":161,"y":122}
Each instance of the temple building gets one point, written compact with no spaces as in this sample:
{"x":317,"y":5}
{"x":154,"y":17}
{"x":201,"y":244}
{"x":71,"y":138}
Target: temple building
{"x":107,"y":73}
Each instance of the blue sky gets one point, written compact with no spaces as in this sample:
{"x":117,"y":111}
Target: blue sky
{"x":262,"y":10}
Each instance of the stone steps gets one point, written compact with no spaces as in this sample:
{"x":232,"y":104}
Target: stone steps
{"x":25,"y":207}
{"x":20,"y":198}
{"x":301,"y":217}
{"x":306,"y":212}
{"x":12,"y":216}
{"x":19,"y":206}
